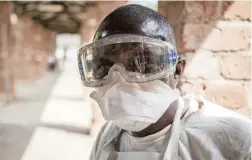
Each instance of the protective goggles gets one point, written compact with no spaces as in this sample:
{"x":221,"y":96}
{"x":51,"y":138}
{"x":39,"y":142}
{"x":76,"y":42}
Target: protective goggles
{"x":137,"y":59}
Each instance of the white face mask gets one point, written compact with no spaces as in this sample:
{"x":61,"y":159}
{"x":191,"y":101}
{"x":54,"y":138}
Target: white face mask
{"x":134,"y":106}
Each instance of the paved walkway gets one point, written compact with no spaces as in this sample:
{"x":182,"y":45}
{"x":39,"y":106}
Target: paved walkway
{"x":50,"y":120}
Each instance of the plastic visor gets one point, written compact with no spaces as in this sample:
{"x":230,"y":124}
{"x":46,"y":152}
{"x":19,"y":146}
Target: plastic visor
{"x":137,"y":58}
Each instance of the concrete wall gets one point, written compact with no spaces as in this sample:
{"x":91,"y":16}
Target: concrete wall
{"x":28,"y":45}
{"x":215,"y":39}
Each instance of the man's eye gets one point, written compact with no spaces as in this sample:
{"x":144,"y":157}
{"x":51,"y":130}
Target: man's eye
{"x":101,"y":68}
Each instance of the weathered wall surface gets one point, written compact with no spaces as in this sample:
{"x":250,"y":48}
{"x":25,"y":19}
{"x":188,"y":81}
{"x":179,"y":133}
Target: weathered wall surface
{"x":27,"y":45}
{"x":5,"y":48}
{"x":215,"y":39}
{"x":32,"y":45}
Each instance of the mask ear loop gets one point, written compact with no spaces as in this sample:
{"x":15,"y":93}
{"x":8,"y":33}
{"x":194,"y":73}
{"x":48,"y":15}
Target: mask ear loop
{"x":176,"y":79}
{"x":176,"y":76}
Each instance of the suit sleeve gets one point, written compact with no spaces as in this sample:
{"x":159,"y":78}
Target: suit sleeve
{"x":97,"y":145}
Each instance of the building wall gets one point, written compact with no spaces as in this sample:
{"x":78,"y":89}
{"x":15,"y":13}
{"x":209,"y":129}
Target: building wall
{"x":28,"y":45}
{"x":32,"y":45}
{"x":5,"y":48}
{"x":215,"y":39}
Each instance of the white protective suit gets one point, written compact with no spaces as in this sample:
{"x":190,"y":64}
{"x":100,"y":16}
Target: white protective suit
{"x":206,"y":132}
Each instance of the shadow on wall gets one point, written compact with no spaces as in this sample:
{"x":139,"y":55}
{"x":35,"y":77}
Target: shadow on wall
{"x":215,"y":39}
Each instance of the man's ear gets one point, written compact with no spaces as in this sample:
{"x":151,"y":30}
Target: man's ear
{"x":180,"y":66}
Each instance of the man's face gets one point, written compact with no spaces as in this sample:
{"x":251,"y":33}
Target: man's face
{"x":150,"y":58}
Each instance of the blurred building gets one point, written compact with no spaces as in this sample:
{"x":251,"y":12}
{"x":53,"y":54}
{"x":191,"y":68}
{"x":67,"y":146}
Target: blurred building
{"x":213,"y":36}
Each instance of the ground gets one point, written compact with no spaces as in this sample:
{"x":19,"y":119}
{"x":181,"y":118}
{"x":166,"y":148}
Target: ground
{"x":50,"y":119}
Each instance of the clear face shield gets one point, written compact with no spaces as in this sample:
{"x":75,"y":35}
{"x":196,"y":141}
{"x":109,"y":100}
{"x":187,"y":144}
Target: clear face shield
{"x":137,"y":59}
